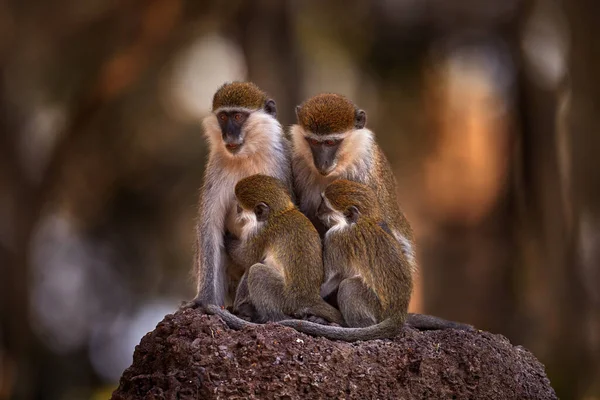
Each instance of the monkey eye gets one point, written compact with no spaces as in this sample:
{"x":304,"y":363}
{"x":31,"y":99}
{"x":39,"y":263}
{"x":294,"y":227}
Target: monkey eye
{"x":222,"y":117}
{"x":330,"y":142}
{"x":237,"y":117}
{"x":312,"y":141}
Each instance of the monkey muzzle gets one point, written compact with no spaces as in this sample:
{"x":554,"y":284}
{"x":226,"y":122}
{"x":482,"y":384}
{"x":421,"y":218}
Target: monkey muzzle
{"x":233,"y":143}
{"x":324,"y":158}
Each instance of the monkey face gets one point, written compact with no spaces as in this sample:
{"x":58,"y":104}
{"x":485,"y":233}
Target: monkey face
{"x":328,"y":122}
{"x":232,"y":123}
{"x":324,"y":153}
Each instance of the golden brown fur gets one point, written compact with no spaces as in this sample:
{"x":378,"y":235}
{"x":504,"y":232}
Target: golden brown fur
{"x":283,"y":255}
{"x":239,"y":94}
{"x":367,"y":259}
{"x":328,"y":147}
{"x":263,"y":149}
{"x":326,"y":113}
{"x":358,"y":158}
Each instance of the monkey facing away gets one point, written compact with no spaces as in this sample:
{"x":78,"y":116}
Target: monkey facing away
{"x":331,"y":142}
{"x":244,"y":138}
{"x":362,"y":254}
{"x":283,"y":251}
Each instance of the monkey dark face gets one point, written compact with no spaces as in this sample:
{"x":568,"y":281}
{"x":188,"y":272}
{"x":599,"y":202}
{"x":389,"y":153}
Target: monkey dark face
{"x":324,"y":153}
{"x":232,"y":122}
{"x":327,"y":120}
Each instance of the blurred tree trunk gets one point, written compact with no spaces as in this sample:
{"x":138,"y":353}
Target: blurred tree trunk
{"x":267,"y":35}
{"x":578,"y":342}
{"x":38,"y":372}
{"x":558,"y":180}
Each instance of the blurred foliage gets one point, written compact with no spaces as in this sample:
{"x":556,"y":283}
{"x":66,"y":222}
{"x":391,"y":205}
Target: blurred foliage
{"x":487,"y":111}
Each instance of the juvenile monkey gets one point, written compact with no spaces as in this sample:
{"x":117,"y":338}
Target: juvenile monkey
{"x":331,"y":142}
{"x":361,"y":253}
{"x":284,"y":252}
{"x":244,"y":138}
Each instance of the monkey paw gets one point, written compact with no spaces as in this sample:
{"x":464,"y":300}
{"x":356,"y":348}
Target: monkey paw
{"x":192,"y":304}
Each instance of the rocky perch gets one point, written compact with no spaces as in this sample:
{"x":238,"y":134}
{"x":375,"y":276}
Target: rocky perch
{"x":195,"y":356}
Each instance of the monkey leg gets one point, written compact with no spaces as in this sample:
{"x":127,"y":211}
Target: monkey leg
{"x":242,"y":306}
{"x":266,"y":289}
{"x":358,"y":303}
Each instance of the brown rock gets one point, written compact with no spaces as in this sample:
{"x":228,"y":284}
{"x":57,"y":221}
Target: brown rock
{"x":190,"y":355}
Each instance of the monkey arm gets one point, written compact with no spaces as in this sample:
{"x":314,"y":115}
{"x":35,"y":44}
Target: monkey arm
{"x":210,"y":267}
{"x":245,"y":252}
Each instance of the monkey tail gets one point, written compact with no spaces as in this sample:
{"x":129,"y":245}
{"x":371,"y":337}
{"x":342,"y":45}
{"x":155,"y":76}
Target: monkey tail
{"x":232,"y":321}
{"x":386,"y":329}
{"x":425,"y":322}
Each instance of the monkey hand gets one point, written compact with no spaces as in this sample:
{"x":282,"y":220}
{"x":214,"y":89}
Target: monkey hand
{"x":185,"y":304}
{"x":195,"y":304}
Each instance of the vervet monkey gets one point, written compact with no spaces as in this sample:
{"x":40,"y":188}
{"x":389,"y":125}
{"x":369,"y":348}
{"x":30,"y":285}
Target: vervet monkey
{"x":283,"y":251}
{"x":244,"y":138}
{"x":331,"y":142}
{"x":373,"y":274}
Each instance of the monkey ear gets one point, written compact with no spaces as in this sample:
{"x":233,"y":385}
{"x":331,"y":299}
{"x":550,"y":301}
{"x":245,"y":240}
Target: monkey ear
{"x":352,"y":214}
{"x":262,"y":211}
{"x":361,"y":119}
{"x":297,"y":112}
{"x":271,"y":108}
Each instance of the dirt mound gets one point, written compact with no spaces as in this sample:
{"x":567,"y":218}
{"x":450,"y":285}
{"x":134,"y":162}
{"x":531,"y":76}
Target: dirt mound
{"x":191,"y":355}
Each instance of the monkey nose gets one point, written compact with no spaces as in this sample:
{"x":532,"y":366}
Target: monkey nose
{"x":325,"y":170}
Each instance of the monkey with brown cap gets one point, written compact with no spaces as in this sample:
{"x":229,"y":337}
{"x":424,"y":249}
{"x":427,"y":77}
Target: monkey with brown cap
{"x":375,"y":276}
{"x":244,"y":138}
{"x":331,"y":142}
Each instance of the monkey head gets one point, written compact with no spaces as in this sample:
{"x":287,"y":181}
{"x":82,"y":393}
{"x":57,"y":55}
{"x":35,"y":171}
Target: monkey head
{"x":344,"y":202}
{"x":261,"y":196}
{"x":239,"y":111}
{"x":330,"y":131}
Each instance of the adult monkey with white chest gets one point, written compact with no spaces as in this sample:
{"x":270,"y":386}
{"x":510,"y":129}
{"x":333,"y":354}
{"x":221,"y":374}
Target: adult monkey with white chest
{"x":331,"y":142}
{"x":244,"y":138}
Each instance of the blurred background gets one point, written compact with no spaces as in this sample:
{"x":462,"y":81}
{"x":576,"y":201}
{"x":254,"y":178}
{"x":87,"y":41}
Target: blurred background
{"x":489,"y":112}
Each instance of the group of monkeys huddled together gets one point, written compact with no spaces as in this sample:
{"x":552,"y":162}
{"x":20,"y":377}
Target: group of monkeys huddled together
{"x":304,"y":231}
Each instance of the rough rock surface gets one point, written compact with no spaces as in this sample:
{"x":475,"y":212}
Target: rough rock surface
{"x":190,"y":355}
